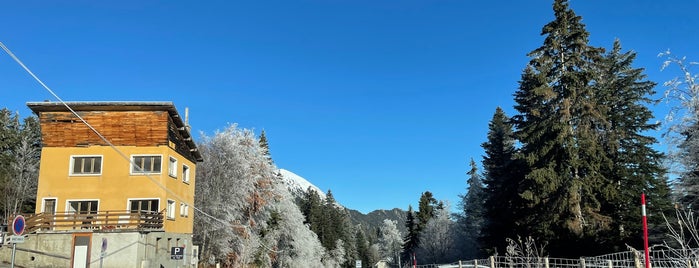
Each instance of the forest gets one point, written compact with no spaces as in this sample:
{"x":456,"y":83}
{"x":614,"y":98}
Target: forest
{"x":566,"y":170}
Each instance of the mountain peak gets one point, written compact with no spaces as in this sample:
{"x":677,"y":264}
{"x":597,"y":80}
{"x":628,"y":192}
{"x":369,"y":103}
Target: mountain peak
{"x":298,"y":184}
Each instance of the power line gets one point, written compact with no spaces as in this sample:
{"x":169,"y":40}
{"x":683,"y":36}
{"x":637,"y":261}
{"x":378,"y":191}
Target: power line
{"x":124,"y":156}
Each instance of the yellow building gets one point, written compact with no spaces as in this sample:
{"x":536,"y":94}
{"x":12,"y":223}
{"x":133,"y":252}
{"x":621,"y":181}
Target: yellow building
{"x":136,"y":176}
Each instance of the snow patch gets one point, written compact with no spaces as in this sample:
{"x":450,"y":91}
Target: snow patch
{"x":298,"y":184}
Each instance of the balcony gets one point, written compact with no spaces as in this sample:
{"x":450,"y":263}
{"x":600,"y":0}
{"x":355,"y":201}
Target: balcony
{"x":100,"y":221}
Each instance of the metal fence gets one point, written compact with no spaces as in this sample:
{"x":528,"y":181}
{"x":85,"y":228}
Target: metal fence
{"x":664,"y":258}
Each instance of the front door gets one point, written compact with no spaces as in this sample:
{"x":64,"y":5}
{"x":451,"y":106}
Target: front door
{"x":81,"y":250}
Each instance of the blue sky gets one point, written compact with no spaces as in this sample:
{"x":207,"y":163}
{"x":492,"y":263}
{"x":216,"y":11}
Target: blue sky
{"x":376,"y":100}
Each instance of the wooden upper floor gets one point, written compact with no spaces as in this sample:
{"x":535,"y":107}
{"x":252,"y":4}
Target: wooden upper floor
{"x":120,"y":123}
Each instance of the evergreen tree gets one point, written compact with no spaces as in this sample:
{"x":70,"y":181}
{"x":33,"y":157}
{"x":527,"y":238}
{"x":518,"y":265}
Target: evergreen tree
{"x":470,"y":220}
{"x":411,"y":240}
{"x":265,"y":146}
{"x":426,"y":208}
{"x":500,"y":185}
{"x":636,"y":167}
{"x":557,"y":126}
{"x":362,"y":248}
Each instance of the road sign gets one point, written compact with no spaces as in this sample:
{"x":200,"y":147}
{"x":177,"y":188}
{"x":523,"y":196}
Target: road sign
{"x":177,"y":253}
{"x":18,"y":225}
{"x":16,"y":239}
{"x":358,"y":263}
{"x":104,"y":244}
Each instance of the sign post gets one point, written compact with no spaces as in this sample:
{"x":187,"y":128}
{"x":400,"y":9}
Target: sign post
{"x":104,"y":250}
{"x":18,"y":225}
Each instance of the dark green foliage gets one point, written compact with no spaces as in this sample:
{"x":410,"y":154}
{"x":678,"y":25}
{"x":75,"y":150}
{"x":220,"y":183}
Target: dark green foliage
{"x":362,"y":249}
{"x":330,"y":222}
{"x":265,"y":147}
{"x":471,"y":217}
{"x":426,"y":209}
{"x":636,"y":167}
{"x":411,"y":240}
{"x":501,"y":177}
{"x":584,"y":160}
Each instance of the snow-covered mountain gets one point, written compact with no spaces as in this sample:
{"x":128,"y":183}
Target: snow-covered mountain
{"x":298,"y":185}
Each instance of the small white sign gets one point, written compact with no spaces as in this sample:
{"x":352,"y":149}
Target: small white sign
{"x":16,"y":239}
{"x":358,"y":264}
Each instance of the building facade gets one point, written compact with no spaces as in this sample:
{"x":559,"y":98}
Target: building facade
{"x":128,"y":176}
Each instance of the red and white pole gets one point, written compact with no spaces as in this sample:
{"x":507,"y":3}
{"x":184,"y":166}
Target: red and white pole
{"x":645,"y":229}
{"x":414,"y":260}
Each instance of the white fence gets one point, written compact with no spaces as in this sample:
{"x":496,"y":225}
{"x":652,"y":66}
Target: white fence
{"x":669,"y":258}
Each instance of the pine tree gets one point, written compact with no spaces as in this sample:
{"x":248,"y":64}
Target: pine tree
{"x":470,"y":219}
{"x":426,"y":207}
{"x":411,"y":239}
{"x":265,"y":147}
{"x":556,"y":125}
{"x":636,"y":167}
{"x":501,"y":178}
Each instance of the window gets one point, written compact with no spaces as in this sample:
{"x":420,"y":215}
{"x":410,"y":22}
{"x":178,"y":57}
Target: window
{"x":184,"y":210}
{"x":144,"y":205}
{"x":172,"y":167}
{"x":86,"y":165}
{"x":185,"y":173}
{"x":146,"y":164}
{"x":49,"y":206}
{"x":83,"y":207}
{"x":170,"y":209}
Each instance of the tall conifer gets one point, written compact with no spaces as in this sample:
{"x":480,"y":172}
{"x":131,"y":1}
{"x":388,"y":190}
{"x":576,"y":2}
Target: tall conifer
{"x":556,"y":125}
{"x":500,"y":184}
{"x":635,"y":166}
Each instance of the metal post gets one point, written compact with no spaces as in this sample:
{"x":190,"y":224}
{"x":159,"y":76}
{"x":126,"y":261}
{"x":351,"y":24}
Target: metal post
{"x":14,"y":249}
{"x":645,"y":229}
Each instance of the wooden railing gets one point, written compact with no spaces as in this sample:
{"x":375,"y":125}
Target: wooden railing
{"x":101,"y":220}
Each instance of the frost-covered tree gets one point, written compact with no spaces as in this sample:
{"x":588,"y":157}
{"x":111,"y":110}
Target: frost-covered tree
{"x":246,"y":215}
{"x":682,"y":93}
{"x":20,"y":151}
{"x":294,"y":244}
{"x":233,"y":186}
{"x":438,"y":239}
{"x":390,"y":240}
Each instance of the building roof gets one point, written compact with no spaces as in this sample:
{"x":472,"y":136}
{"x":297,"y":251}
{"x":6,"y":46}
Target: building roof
{"x":48,"y":106}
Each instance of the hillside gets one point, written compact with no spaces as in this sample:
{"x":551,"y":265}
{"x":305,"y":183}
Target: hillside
{"x":374,"y":219}
{"x":298,"y":185}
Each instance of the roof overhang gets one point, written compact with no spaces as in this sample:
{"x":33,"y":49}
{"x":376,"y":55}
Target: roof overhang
{"x":39,"y":107}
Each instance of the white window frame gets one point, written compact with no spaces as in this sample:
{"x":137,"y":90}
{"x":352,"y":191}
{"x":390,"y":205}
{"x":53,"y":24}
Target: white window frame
{"x":135,"y":172}
{"x":185,"y":173}
{"x":172,"y":167}
{"x":72,"y":163}
{"x":128,"y":202}
{"x":55,"y":204}
{"x":68,"y":207}
{"x":170,"y":211}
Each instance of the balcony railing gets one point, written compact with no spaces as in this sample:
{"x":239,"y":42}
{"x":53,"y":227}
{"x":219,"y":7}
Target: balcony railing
{"x":98,"y":221}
